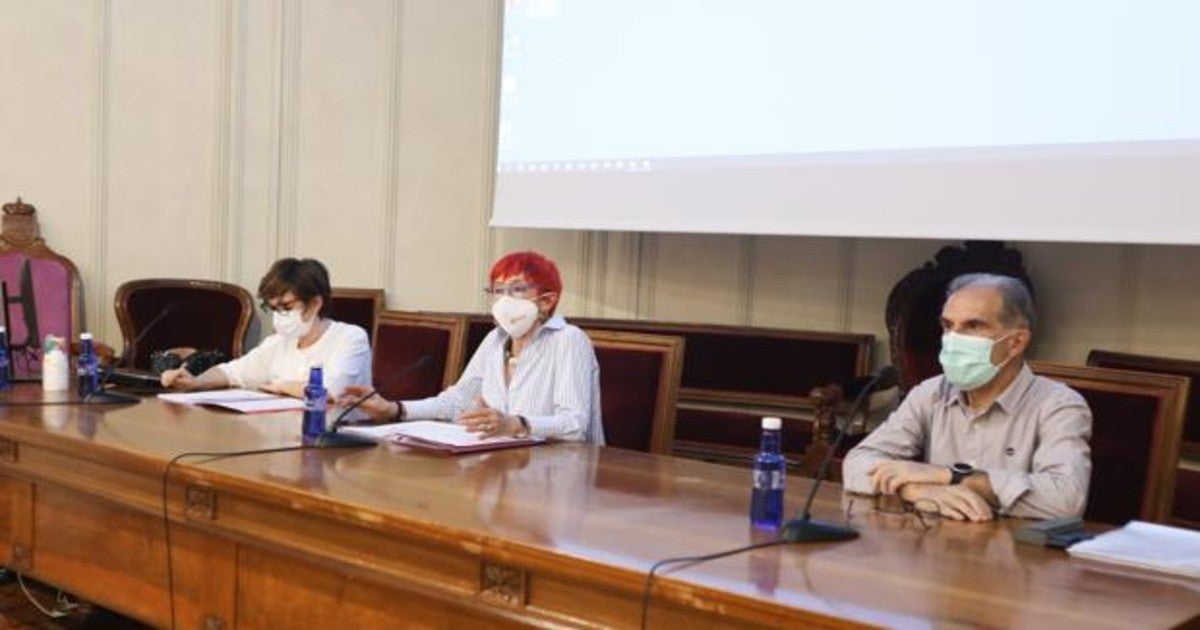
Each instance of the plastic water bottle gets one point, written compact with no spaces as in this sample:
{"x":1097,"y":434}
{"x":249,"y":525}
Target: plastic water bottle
{"x":88,"y":368}
{"x":4,"y":384}
{"x":314,"y":405}
{"x":766,"y":497}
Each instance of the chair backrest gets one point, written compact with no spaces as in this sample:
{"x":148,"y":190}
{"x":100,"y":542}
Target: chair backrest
{"x":43,"y":290}
{"x":173,"y":312}
{"x":402,"y":339}
{"x":1187,"y":482}
{"x":1136,"y":423}
{"x":639,"y":384}
{"x":360,"y":307}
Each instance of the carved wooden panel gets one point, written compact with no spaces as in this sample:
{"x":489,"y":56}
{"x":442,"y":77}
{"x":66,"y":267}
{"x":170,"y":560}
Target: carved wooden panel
{"x":200,"y":503}
{"x":502,"y":583}
{"x":8,"y":450}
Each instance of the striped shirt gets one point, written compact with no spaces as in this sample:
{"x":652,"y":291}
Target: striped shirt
{"x":1032,"y":442}
{"x":555,"y":386}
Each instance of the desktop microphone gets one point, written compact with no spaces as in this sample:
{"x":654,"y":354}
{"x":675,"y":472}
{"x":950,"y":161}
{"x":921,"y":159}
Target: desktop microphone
{"x":804,"y":528}
{"x":101,"y":397}
{"x":333,"y":439}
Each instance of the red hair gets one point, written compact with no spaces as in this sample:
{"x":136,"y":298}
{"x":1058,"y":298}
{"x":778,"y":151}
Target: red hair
{"x":536,"y":268}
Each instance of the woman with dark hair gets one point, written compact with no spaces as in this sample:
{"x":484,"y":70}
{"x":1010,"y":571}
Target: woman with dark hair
{"x":534,"y":374}
{"x":297,"y":293}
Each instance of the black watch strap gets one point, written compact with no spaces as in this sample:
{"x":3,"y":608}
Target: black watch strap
{"x":960,"y":471}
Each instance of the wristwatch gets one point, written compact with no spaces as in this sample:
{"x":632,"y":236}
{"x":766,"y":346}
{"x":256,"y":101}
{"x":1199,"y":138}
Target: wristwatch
{"x":960,"y":471}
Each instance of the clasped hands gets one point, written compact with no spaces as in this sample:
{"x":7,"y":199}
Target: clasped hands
{"x":482,"y":419}
{"x":928,"y":484}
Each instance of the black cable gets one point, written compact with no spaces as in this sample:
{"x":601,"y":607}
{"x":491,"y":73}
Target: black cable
{"x":166,"y":514}
{"x":691,"y":560}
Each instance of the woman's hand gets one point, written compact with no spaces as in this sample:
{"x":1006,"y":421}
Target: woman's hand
{"x":489,"y":422}
{"x":178,"y":378}
{"x":378,"y":408}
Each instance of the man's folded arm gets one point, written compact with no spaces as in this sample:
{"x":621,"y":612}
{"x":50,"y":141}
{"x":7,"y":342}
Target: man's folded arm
{"x":901,"y":436}
{"x":1058,"y":484}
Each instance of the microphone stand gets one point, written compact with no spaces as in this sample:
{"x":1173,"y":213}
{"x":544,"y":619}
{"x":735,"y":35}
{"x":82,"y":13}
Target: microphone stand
{"x":806,"y":529}
{"x":336,"y":439}
{"x":103,"y":397}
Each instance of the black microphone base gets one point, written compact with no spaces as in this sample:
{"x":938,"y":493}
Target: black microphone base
{"x":110,"y":398}
{"x":806,"y":530}
{"x":333,"y":439}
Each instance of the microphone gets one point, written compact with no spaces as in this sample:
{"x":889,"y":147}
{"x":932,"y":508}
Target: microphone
{"x":804,"y":528}
{"x":101,"y":397}
{"x":333,"y":439}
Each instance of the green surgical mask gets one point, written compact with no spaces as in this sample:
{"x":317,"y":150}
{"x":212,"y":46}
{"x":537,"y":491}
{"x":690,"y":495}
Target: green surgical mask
{"x":967,"y":360}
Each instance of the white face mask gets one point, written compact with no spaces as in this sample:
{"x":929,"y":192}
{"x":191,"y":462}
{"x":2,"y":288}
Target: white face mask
{"x":291,"y":324}
{"x":515,"y":315}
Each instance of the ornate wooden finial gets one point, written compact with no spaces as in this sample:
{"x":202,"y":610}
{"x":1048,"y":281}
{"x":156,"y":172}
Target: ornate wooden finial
{"x":19,"y":207}
{"x":19,"y":226}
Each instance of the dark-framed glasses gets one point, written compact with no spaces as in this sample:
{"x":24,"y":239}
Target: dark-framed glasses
{"x":515,"y":289}
{"x":279,"y":307}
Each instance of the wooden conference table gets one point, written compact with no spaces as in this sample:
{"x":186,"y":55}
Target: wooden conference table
{"x":553,"y":535}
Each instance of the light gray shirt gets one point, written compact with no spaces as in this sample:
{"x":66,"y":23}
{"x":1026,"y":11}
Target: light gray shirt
{"x":555,"y":386}
{"x":1032,"y":442}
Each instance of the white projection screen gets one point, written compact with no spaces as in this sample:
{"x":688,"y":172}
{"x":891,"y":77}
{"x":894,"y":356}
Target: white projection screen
{"x":1055,"y":120}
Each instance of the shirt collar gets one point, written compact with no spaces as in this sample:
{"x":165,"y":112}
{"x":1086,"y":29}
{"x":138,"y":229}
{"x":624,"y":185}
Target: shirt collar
{"x":1007,"y":399}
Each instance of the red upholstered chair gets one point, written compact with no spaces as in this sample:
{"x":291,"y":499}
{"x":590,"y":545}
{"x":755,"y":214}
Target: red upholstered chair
{"x":360,"y":307}
{"x":201,"y":314}
{"x":639,"y":384}
{"x":402,"y":339}
{"x":914,"y":306}
{"x":42,"y":289}
{"x":1187,"y":482}
{"x":1137,"y":420}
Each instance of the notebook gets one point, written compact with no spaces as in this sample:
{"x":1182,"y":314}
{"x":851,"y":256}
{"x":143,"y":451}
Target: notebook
{"x":240,"y":400}
{"x":1146,"y":545}
{"x":447,"y":437}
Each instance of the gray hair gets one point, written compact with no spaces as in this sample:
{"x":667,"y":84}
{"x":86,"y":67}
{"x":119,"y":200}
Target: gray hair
{"x":1017,"y":306}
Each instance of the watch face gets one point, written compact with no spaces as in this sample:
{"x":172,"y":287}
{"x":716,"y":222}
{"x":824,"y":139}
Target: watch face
{"x":962,"y":469}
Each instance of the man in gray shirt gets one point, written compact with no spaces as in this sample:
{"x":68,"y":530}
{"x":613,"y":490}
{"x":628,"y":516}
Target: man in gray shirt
{"x":996,"y":437}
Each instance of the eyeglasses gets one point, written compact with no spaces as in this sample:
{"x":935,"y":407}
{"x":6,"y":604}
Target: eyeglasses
{"x":281,"y":307}
{"x":924,"y":512}
{"x":519,"y":288}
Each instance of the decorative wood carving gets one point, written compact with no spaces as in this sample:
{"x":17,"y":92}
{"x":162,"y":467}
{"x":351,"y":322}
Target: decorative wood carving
{"x":20,"y":226}
{"x":915,"y":303}
{"x":200,"y":503}
{"x":8,"y":450}
{"x":502,"y":583}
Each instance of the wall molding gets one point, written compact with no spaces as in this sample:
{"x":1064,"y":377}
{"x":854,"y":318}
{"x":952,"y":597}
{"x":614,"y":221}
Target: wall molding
{"x":288,"y":140}
{"x":486,"y":235}
{"x":1128,"y":287}
{"x":847,"y":264}
{"x":222,"y":238}
{"x":747,"y":269}
{"x":646,"y":246}
{"x":98,"y":186}
{"x":389,"y":214}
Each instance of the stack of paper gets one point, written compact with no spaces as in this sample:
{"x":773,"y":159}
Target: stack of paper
{"x":243,"y":400}
{"x":440,"y":436}
{"x":1146,"y":545}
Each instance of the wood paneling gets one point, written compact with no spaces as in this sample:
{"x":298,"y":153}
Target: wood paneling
{"x":554,"y":534}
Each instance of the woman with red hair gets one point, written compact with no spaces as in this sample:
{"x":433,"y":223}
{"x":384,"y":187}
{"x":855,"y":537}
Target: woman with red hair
{"x":534,"y":374}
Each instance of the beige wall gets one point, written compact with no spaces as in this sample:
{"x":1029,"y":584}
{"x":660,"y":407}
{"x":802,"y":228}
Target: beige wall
{"x":205,"y":138}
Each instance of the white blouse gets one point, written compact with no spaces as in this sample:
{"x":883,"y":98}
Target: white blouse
{"x":342,"y":351}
